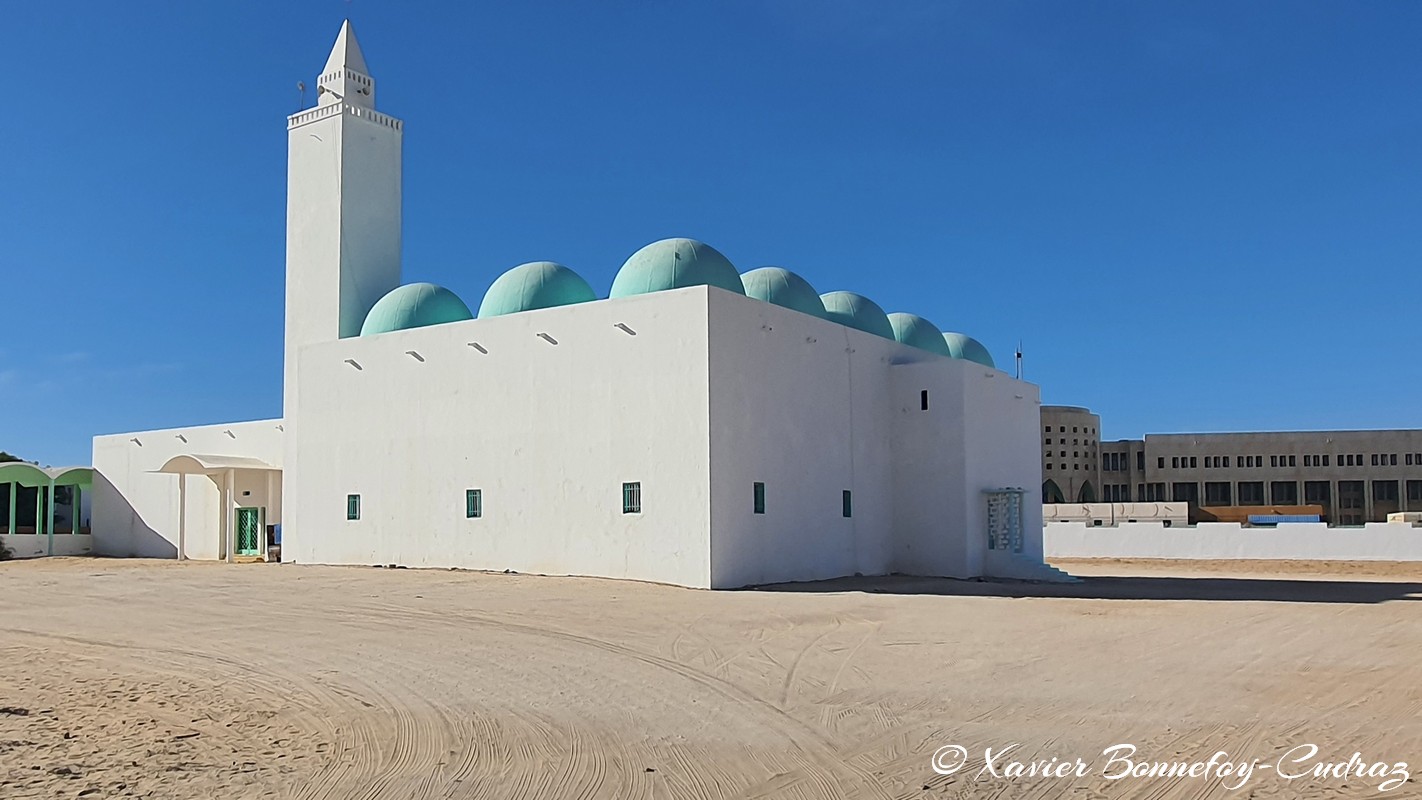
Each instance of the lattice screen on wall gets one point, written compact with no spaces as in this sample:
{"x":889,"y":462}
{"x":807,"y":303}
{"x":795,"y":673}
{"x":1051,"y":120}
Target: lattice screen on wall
{"x":1004,"y":519}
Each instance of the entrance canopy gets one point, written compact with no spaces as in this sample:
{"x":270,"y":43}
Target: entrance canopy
{"x":211,"y":465}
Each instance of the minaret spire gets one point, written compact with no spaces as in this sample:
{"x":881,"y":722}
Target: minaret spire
{"x":346,"y":78}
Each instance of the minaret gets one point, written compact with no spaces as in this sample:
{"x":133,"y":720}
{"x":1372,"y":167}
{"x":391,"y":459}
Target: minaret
{"x":342,"y":225}
{"x":343,"y":207}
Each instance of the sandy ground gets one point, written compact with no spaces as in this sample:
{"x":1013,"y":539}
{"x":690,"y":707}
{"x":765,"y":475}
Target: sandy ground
{"x":153,"y":679}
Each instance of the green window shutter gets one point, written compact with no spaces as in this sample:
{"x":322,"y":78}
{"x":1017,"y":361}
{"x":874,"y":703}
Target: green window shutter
{"x":352,"y":506}
{"x":759,"y":491}
{"x":632,"y":498}
{"x":848,"y":505}
{"x":473,"y":503}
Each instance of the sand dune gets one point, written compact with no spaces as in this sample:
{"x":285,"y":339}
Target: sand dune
{"x":153,"y":679}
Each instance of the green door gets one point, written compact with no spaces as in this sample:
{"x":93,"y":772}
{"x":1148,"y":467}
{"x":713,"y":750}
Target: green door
{"x":249,"y":527}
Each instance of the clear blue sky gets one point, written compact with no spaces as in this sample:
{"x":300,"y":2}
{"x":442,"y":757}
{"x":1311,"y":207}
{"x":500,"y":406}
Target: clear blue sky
{"x":1195,"y":215}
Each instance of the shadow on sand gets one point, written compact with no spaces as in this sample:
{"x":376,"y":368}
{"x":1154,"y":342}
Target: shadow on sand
{"x":1123,"y":588}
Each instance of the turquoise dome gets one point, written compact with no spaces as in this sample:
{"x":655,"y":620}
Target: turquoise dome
{"x":414,"y":305}
{"x":783,"y":288}
{"x":540,"y":284}
{"x":858,"y":312}
{"x":675,"y":264}
{"x":915,"y":331}
{"x":966,"y":347}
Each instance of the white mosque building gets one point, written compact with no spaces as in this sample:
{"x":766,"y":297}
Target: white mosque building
{"x":699,"y":426}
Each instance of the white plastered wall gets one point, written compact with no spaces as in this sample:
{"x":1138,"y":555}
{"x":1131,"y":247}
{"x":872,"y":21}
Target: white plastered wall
{"x":548,"y":432}
{"x":811,"y":408}
{"x":1376,"y":541}
{"x":135,"y":509}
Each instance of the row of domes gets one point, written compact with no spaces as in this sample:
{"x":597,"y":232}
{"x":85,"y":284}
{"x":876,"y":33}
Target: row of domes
{"x":660,"y":266}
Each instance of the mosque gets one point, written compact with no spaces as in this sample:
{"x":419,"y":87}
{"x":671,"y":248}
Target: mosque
{"x":699,"y":426}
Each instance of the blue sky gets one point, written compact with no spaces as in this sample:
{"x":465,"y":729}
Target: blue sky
{"x":1195,"y":215}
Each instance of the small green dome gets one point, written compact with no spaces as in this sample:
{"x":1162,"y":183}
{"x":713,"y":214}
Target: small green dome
{"x":783,"y":288}
{"x":675,"y":264}
{"x":414,"y":305}
{"x":540,"y":284}
{"x":858,"y":312}
{"x":915,"y":331}
{"x":966,"y":347}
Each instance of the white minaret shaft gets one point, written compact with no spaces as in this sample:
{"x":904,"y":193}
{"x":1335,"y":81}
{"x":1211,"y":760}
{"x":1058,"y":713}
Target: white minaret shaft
{"x":342,"y":217}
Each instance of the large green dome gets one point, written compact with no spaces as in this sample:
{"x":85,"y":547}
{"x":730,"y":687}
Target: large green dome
{"x":858,"y":312}
{"x":966,"y":347}
{"x":915,"y":331}
{"x":783,"y":288}
{"x":675,"y":264}
{"x":414,"y":305}
{"x":540,"y":284}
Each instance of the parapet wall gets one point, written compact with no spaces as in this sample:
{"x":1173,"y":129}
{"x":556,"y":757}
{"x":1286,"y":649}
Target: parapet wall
{"x":1307,"y":541}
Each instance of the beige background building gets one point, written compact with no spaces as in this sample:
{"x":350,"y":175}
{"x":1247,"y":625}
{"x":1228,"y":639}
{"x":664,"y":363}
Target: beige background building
{"x":1355,"y":476}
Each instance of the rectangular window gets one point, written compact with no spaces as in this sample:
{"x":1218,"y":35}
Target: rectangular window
{"x":1175,"y":462}
{"x":1325,"y":460}
{"x":1414,"y":495}
{"x":1251,"y":493}
{"x":1160,"y":462}
{"x":1293,"y":461}
{"x":1284,"y":493}
{"x":1317,"y":493}
{"x":632,"y":497}
{"x":1408,"y":459}
{"x":758,"y":490}
{"x":352,"y":506}
{"x":1140,"y":460}
{"x":1239,"y":461}
{"x":1392,"y":459}
{"x":473,"y":503}
{"x":1194,"y":462}
{"x":1375,"y":459}
{"x":1385,"y":491}
{"x":846,"y":504}
{"x":923,"y":400}
{"x":1217,"y":493}
{"x":1273,"y":461}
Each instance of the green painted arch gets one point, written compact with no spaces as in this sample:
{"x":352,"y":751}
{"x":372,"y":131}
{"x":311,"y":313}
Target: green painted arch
{"x":783,"y":288}
{"x":414,"y":305}
{"x":27,"y":474}
{"x":915,"y":331}
{"x":535,"y":285}
{"x":675,"y":264}
{"x":858,"y":312}
{"x":966,"y":347}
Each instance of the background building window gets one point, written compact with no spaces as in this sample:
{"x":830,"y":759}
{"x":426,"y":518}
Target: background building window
{"x":1217,"y":493}
{"x":632,"y":498}
{"x":1251,"y":493}
{"x":1414,"y":495}
{"x":758,"y":502}
{"x":473,"y":503}
{"x":846,"y":504}
{"x":1284,"y":493}
{"x":352,"y":506}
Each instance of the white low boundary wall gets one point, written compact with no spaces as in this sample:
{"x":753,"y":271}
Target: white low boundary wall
{"x":1305,"y":541}
{"x":30,"y":545}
